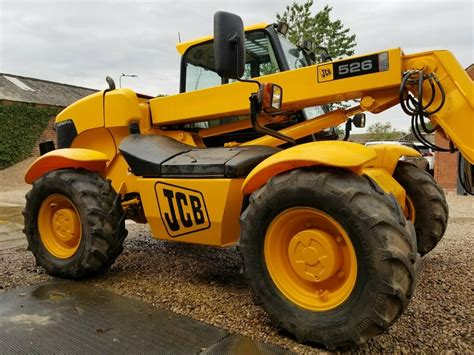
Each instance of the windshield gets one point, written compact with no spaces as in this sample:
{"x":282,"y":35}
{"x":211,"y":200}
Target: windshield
{"x":295,"y":57}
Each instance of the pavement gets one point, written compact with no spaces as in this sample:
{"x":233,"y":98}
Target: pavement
{"x":62,"y":316}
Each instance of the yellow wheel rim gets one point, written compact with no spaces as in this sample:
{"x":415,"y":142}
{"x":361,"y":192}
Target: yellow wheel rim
{"x":310,"y":258}
{"x":409,"y":211}
{"x":59,"y":226}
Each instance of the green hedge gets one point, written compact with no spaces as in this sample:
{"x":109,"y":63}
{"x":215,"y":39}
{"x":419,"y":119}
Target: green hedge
{"x":20,"y":127}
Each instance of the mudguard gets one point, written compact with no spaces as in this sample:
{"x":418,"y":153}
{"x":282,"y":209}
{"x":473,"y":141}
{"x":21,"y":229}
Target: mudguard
{"x":340,"y":154}
{"x":89,"y":159}
{"x":382,"y":168}
{"x":389,"y":154}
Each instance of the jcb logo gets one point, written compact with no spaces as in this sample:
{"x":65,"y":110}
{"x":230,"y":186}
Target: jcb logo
{"x":325,"y":72}
{"x":182,"y":210}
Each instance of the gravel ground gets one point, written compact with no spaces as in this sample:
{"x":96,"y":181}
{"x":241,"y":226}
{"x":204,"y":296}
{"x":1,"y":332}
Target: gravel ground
{"x":205,"y":283}
{"x":12,"y":186}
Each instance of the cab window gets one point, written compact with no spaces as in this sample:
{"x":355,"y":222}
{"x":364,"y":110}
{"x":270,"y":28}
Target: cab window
{"x":199,"y":62}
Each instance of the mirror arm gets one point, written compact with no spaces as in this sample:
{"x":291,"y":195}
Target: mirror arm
{"x":237,"y":54}
{"x":348,"y":129}
{"x":254,"y":111}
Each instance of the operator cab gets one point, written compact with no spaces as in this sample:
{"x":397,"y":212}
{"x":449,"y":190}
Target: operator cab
{"x":267,"y":51}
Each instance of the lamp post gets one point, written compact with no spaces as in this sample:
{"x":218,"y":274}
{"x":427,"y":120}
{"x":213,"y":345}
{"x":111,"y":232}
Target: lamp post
{"x":127,"y":75}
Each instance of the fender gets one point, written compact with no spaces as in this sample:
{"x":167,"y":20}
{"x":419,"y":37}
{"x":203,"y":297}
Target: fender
{"x":89,"y":159}
{"x":388,"y":155}
{"x":339,"y":154}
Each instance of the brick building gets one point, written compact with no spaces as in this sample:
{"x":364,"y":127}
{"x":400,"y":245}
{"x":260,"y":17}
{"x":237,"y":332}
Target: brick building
{"x":446,"y":167}
{"x":40,"y":93}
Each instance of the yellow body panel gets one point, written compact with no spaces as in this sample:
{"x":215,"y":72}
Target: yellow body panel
{"x":98,"y":139}
{"x":87,"y":112}
{"x":66,"y":158}
{"x":121,"y":108}
{"x":388,"y":155}
{"x":183,"y":47}
{"x":347,"y":155}
{"x":221,"y":201}
{"x":219,"y":207}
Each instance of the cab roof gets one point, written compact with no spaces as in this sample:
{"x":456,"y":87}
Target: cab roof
{"x":183,"y":47}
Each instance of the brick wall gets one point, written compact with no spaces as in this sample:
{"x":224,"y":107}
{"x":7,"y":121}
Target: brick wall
{"x":470,"y":71}
{"x":446,"y":166}
{"x":49,"y":134}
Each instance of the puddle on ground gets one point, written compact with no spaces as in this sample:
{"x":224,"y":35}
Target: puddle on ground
{"x":46,"y":292}
{"x":29,"y":319}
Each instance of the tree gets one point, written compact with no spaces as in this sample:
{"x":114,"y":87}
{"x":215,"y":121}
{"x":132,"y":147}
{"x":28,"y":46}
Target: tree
{"x":384,"y":131}
{"x":318,"y":29}
{"x":428,"y":125}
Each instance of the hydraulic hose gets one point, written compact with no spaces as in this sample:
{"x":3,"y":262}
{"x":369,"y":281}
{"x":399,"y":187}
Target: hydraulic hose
{"x":414,"y":106}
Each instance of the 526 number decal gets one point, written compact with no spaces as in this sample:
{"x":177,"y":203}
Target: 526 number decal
{"x":352,"y":67}
{"x":355,"y":67}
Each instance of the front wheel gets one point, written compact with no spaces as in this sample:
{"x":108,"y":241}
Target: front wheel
{"x":328,"y":255}
{"x":74,"y":223}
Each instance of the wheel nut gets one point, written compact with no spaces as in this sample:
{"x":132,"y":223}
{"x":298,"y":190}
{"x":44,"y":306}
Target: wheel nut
{"x":339,"y":239}
{"x":340,"y":274}
{"x":323,"y":295}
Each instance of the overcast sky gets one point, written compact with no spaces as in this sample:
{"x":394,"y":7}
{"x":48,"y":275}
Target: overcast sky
{"x":80,"y":42}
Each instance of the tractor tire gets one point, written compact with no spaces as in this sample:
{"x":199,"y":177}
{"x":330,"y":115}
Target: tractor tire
{"x":74,"y":223}
{"x":328,"y":255}
{"x":426,"y":205}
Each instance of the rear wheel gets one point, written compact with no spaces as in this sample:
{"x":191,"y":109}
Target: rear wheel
{"x":328,"y":255}
{"x":73,"y":223}
{"x":426,"y":205}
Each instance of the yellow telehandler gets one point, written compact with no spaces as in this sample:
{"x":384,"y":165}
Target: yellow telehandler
{"x":243,"y":156}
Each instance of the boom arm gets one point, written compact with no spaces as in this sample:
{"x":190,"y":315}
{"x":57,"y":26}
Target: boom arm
{"x":377,"y":84}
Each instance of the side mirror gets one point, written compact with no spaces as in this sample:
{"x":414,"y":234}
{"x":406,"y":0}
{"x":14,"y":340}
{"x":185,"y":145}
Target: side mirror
{"x":359,"y":120}
{"x":270,"y":97}
{"x":229,"y":45}
{"x":306,"y":45}
{"x":282,"y":27}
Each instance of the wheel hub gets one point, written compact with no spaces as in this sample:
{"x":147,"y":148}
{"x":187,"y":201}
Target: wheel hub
{"x":66,"y":225}
{"x":59,"y":226}
{"x":315,"y":255}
